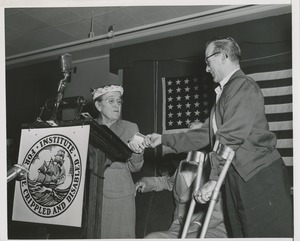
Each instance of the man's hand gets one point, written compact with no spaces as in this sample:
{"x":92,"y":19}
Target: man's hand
{"x":152,"y":140}
{"x":203,"y":195}
{"x":140,"y":186}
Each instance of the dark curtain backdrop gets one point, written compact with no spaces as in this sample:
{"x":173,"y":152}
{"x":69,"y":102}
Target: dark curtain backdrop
{"x":257,"y":38}
{"x":27,"y":89}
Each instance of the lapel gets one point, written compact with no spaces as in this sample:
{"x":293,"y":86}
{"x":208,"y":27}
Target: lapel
{"x":238,"y":73}
{"x":118,"y":128}
{"x":211,"y":131}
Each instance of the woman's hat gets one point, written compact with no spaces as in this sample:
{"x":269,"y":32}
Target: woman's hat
{"x":105,"y":89}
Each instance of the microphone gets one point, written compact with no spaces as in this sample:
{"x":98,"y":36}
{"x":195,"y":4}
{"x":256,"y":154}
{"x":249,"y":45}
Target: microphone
{"x":16,"y":172}
{"x":66,"y":103}
{"x":65,"y":63}
{"x":66,"y":66}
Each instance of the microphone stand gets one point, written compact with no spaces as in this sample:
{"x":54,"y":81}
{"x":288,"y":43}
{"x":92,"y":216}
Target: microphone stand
{"x":59,"y":96}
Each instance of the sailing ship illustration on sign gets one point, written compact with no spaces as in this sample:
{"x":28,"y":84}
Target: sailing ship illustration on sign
{"x":54,"y":172}
{"x":50,"y":178}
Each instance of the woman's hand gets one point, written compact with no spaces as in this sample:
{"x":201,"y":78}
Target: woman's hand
{"x":136,"y":147}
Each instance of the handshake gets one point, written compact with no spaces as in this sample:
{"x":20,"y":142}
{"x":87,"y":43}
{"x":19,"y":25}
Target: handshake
{"x":139,"y":142}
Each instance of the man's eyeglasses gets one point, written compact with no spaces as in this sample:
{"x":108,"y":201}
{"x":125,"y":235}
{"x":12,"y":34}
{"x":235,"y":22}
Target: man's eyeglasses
{"x":206,"y":59}
{"x":112,"y":101}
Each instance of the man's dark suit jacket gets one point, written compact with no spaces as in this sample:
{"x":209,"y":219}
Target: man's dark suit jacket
{"x":242,"y":125}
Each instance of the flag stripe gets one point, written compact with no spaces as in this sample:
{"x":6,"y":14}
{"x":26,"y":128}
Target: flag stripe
{"x":286,"y":90}
{"x":286,"y":152}
{"x":279,"y":117}
{"x":288,"y":161}
{"x":279,"y":74}
{"x":282,"y":134}
{"x":279,"y":108}
{"x":284,"y":143}
{"x":280,"y":99}
{"x":274,"y":83}
{"x":282,"y":125}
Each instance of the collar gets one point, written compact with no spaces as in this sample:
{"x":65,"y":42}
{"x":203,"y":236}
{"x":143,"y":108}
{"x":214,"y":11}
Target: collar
{"x":224,"y":81}
{"x":100,"y":121}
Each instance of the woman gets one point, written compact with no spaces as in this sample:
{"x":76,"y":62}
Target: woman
{"x":118,"y":210}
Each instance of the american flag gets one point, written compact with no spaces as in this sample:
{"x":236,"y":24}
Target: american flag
{"x":189,"y":99}
{"x":186,"y":99}
{"x":277,"y":90}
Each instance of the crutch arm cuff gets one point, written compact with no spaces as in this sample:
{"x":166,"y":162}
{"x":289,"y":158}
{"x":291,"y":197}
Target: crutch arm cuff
{"x":218,"y":157}
{"x":222,"y":150}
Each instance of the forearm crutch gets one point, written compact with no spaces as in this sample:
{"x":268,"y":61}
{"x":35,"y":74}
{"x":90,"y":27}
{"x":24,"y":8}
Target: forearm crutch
{"x":199,"y":157}
{"x":226,"y":153}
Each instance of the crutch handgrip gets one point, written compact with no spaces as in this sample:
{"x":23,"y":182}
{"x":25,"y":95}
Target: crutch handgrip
{"x":200,"y":157}
{"x":226,"y":153}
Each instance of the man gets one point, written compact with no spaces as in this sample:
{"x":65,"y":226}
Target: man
{"x":256,"y":186}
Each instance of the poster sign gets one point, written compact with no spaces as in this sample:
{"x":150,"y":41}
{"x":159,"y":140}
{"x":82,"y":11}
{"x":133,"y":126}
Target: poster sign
{"x":52,"y":191}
